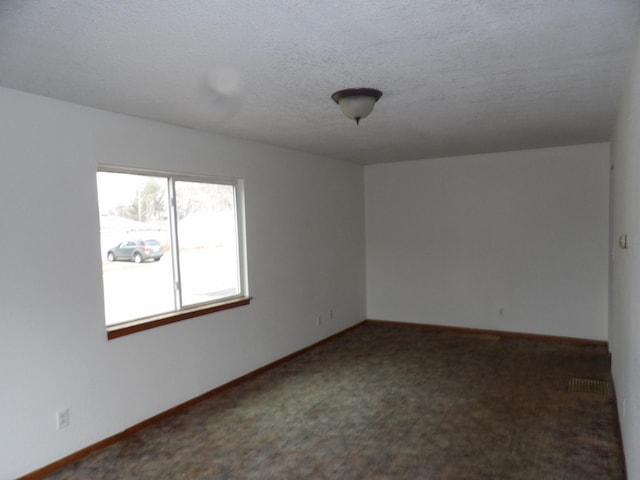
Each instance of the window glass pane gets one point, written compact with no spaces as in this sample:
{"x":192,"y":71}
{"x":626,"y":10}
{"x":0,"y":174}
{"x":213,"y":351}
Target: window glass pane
{"x":207,"y":240}
{"x":135,"y":239}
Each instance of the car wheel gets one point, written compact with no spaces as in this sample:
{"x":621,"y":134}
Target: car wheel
{"x":157,"y":259}
{"x":111,"y":257}
{"x":137,"y":258}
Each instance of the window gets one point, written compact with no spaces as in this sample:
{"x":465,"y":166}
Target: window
{"x":172,"y":247}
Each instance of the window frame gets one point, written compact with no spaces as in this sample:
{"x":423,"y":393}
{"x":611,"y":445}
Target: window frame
{"x":193,"y":310}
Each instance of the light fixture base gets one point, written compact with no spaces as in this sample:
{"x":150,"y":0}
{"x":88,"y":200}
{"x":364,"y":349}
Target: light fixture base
{"x":356,"y":92}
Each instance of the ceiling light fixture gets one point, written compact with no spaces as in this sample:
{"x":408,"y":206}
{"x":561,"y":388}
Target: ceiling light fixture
{"x":357,"y":103}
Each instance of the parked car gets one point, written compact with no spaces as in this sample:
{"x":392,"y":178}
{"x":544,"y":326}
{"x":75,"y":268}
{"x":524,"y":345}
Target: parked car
{"x":136,"y":250}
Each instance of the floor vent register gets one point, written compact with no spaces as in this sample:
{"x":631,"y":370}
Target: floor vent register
{"x":590,"y":385}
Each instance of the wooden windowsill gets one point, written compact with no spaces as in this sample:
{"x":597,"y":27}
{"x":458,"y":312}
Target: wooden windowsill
{"x":136,"y":326}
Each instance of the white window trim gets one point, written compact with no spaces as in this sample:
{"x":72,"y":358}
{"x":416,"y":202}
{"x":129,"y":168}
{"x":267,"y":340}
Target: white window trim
{"x":205,"y":308}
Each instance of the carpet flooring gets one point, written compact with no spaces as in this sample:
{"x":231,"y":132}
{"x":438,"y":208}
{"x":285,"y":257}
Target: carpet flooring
{"x":391,"y":402}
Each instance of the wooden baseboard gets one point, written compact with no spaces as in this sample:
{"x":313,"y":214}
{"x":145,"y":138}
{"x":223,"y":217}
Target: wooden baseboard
{"x":80,"y":454}
{"x":500,"y":333}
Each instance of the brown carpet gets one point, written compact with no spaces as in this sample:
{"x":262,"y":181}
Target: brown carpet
{"x":387,"y":402}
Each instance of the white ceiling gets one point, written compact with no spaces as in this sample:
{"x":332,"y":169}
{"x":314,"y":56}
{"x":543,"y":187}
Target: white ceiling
{"x":458,"y":77}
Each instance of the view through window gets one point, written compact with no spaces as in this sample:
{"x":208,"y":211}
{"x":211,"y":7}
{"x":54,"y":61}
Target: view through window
{"x":168,"y":243}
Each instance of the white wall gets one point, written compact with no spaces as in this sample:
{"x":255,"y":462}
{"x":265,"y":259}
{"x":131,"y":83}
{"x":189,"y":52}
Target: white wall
{"x":305,"y":230}
{"x":452,"y":241}
{"x":625,"y":325}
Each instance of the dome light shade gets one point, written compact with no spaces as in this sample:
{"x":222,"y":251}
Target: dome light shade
{"x":357,"y":103}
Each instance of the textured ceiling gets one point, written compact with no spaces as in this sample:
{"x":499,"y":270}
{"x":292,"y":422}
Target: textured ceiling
{"x":458,"y":77}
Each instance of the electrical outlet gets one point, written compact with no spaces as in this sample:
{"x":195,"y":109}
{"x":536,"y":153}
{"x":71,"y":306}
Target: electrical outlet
{"x":319,"y":320}
{"x":331,"y":314}
{"x":62,"y":419}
